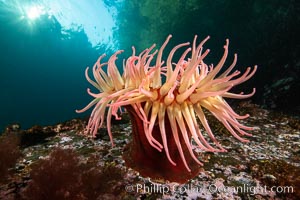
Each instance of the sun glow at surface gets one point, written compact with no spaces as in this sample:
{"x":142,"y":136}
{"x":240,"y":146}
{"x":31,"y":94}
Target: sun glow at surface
{"x":34,"y":12}
{"x":92,"y":17}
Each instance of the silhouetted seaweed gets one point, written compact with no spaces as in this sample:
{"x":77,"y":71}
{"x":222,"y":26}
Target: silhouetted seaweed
{"x":61,"y":176}
{"x":102,"y":182}
{"x":55,"y":178}
{"x":9,"y":153}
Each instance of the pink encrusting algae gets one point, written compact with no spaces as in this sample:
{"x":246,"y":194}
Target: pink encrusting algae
{"x":189,"y":86}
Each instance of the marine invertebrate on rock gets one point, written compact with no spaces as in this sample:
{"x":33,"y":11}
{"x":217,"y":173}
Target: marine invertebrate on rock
{"x":165,"y":101}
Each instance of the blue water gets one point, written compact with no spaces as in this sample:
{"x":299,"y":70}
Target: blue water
{"x":46,"y":45}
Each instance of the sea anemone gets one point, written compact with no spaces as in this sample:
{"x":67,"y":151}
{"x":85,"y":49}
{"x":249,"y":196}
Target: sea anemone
{"x":166,"y":102}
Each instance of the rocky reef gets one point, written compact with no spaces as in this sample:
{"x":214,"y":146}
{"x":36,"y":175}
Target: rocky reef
{"x":57,"y":162}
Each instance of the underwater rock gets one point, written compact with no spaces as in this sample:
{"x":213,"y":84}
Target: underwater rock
{"x":246,"y":171}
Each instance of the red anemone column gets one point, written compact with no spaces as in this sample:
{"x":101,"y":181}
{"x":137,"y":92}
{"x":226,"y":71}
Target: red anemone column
{"x":149,"y":162}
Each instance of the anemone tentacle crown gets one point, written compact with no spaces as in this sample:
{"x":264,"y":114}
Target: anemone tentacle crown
{"x":178,"y":92}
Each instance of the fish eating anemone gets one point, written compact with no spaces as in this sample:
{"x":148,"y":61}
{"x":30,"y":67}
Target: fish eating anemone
{"x":166,"y":101}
